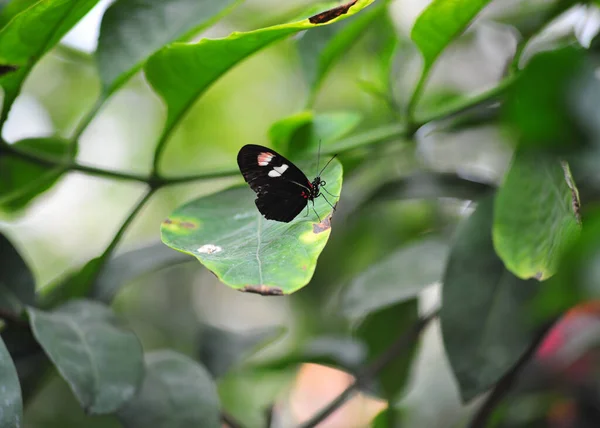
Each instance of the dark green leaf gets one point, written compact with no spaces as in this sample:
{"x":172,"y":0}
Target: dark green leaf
{"x":379,"y":330}
{"x":302,"y":132}
{"x":534,"y":218}
{"x":101,"y":361}
{"x":180,"y":73}
{"x":440,"y":23}
{"x":11,"y":405}
{"x":229,"y":236}
{"x":484,"y":307}
{"x":132,"y":30}
{"x":401,"y":276}
{"x":177,"y":393}
{"x":127,"y":266}
{"x":17,"y":285}
{"x":220,"y":350}
{"x":22,"y":181}
{"x":32,"y":33}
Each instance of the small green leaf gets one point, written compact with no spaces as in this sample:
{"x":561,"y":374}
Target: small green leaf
{"x":132,"y":30}
{"x":484,"y":320}
{"x":230,"y":237}
{"x":177,"y":393}
{"x":302,"y":132}
{"x":534,"y":218}
{"x":379,"y":330}
{"x":11,"y":405}
{"x":366,"y":138}
{"x":130,"y":265}
{"x":440,"y":23}
{"x":180,"y":72}
{"x":220,"y":350}
{"x":17,"y":285}
{"x":401,"y":276}
{"x":32,"y":33}
{"x":22,"y":181}
{"x":101,"y":362}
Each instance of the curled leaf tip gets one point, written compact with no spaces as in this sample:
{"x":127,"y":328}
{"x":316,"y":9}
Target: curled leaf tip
{"x":263,"y":290}
{"x":330,"y":14}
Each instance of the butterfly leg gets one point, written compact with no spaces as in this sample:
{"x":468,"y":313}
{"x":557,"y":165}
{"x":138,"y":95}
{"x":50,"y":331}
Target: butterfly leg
{"x":319,"y":217}
{"x":307,"y":210}
{"x":327,"y":202}
{"x":335,"y":196}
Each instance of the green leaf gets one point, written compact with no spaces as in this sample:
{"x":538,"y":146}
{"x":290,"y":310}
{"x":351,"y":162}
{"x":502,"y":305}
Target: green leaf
{"x":11,"y":405}
{"x":401,"y":276}
{"x":429,"y":185}
{"x":22,"y":181}
{"x":32,"y":33}
{"x":180,"y":72}
{"x":440,"y":23}
{"x":534,"y":219}
{"x":484,"y":315}
{"x":132,"y":30}
{"x":379,"y":330}
{"x":322,"y":47}
{"x":302,"y":132}
{"x":177,"y":393}
{"x":101,"y":361}
{"x":17,"y":285}
{"x":130,"y":265}
{"x":230,"y":237}
{"x":381,"y":134}
{"x":220,"y":349}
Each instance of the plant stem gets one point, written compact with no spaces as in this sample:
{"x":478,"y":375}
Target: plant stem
{"x":370,"y":371}
{"x":415,"y":97}
{"x":83,"y":125}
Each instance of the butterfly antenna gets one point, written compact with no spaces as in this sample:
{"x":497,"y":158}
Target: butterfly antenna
{"x":332,"y":158}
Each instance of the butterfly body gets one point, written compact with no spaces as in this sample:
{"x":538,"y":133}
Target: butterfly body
{"x":282,"y":189}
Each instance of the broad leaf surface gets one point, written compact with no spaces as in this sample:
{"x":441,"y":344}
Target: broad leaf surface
{"x":401,"y":276}
{"x":32,"y":33}
{"x":485,"y":326}
{"x":133,"y":264}
{"x":11,"y":405}
{"x":132,"y":30}
{"x":366,"y":138}
{"x":534,"y":218}
{"x":229,"y":236}
{"x":302,"y":132}
{"x":22,"y":181}
{"x":17,"y":285}
{"x":379,"y":330}
{"x":440,"y":23}
{"x":221,"y":350}
{"x":180,"y":72}
{"x":101,"y":361}
{"x":177,"y":393}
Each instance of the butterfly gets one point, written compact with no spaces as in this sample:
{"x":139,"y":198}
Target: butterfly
{"x":282,"y":189}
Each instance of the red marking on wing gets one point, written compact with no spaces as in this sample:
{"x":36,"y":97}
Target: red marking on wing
{"x":265,"y":157}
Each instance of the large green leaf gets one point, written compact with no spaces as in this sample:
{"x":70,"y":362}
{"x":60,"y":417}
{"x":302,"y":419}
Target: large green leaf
{"x":181,"y":72}
{"x":17,"y":285}
{"x":101,"y":361}
{"x":229,"y":236}
{"x":220,"y":349}
{"x":21,"y":181}
{"x":321,"y":47}
{"x":130,"y":265}
{"x":177,"y":393}
{"x":401,"y":276}
{"x":132,"y":30}
{"x":534,"y":217}
{"x":32,"y":33}
{"x":440,"y":23}
{"x":484,"y":307}
{"x":11,"y":405}
{"x":379,"y":330}
{"x":302,"y":132}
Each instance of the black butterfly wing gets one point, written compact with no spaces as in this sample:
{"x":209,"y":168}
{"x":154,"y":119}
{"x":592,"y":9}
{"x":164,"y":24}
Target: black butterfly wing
{"x":282,"y":189}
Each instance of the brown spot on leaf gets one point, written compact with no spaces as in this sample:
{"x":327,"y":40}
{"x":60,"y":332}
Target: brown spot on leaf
{"x":330,"y":14}
{"x":7,"y":68}
{"x":263,"y":290}
{"x":187,"y":225}
{"x":167,"y":221}
{"x":539,"y":276}
{"x":323,"y":226}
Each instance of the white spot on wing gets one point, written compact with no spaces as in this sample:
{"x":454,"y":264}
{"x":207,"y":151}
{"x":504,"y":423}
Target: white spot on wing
{"x":209,"y":249}
{"x":278,"y":170}
{"x":264,"y":158}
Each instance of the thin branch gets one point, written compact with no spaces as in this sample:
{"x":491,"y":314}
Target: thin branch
{"x":372,"y":370}
{"x":83,"y":125}
{"x":505,"y":384}
{"x":415,"y":97}
{"x":230,"y":421}
{"x":169,"y":181}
